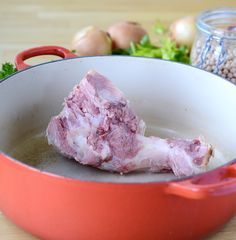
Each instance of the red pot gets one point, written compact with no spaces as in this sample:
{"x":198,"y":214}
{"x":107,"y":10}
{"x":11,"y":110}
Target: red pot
{"x":66,"y":201}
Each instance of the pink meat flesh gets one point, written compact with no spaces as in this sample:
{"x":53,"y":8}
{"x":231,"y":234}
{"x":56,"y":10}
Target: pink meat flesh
{"x":97,"y":127}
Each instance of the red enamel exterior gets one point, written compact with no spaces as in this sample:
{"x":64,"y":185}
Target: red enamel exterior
{"x":58,"y":208}
{"x":38,"y":51}
{"x":53,"y":207}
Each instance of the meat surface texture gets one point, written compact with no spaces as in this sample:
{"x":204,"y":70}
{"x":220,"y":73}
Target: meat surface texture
{"x":97,"y":127}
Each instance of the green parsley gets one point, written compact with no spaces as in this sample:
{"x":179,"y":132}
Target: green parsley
{"x":168,"y":50}
{"x":7,"y":69}
{"x":159,"y":28}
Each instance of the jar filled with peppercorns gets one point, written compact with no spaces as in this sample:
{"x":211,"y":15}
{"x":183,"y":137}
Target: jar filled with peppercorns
{"x":214,"y":48}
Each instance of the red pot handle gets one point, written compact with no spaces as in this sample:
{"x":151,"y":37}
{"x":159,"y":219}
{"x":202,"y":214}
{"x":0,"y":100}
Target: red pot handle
{"x":215,"y":183}
{"x":38,"y":51}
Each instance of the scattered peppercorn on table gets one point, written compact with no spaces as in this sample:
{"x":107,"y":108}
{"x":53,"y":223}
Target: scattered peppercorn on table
{"x":25,"y":24}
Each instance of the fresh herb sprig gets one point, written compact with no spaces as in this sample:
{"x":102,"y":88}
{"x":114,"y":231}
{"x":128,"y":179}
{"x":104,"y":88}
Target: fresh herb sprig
{"x":168,"y":50}
{"x":159,"y":28}
{"x":7,"y":69}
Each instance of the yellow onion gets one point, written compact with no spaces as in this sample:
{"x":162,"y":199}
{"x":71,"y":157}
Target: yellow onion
{"x":91,"y":41}
{"x":183,"y":31}
{"x":123,"y":33}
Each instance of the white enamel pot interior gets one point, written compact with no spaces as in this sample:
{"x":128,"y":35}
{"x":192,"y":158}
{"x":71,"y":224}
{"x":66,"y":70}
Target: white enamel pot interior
{"x":175,"y":100}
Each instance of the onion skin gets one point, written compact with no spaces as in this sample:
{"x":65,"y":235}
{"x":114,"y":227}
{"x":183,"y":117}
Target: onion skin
{"x":183,"y":31}
{"x":123,"y":33}
{"x":91,"y":41}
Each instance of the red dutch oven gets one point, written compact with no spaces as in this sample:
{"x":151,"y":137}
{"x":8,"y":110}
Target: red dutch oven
{"x":58,"y":199}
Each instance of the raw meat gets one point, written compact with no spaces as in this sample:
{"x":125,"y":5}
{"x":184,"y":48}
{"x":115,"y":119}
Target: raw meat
{"x":97,"y":127}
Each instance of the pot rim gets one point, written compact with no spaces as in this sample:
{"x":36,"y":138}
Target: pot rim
{"x":48,"y":174}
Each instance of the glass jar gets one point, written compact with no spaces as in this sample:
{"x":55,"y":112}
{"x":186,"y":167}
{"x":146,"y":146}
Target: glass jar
{"x":214,"y":48}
